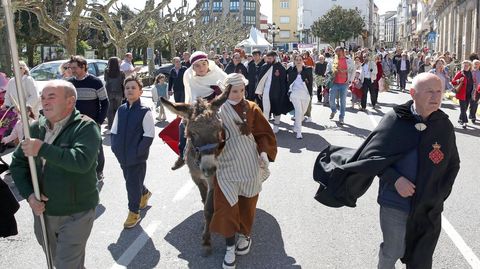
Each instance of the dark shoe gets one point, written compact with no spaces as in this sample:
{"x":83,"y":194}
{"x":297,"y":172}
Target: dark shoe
{"x":178,"y":163}
{"x":340,"y":121}
{"x":332,"y":115}
{"x":474,"y":121}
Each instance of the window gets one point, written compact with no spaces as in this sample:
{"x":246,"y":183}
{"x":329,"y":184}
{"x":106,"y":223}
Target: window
{"x":284,"y":19}
{"x":250,"y":20}
{"x":206,"y":5}
{"x":101,"y":66}
{"x":234,"y":5}
{"x":217,"y":6}
{"x":284,"y":4}
{"x":284,"y":34}
{"x":250,"y":5}
{"x":205,"y":19}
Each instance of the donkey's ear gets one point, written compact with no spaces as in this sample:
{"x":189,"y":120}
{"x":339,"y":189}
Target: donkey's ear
{"x":181,"y":109}
{"x":218,"y":102}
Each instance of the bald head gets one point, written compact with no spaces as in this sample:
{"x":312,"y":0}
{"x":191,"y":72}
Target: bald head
{"x":426,"y":80}
{"x":427,"y":92}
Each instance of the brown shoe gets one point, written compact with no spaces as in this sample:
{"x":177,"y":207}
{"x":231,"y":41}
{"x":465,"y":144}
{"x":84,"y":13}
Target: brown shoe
{"x":178,"y":163}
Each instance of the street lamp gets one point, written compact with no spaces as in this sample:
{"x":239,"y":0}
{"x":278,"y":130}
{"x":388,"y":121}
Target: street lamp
{"x":273,"y":30}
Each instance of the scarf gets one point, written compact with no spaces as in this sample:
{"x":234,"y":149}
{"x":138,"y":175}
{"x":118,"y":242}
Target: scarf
{"x":196,"y":86}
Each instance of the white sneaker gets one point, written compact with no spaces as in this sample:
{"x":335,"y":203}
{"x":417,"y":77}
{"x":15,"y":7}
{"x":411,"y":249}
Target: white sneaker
{"x":243,"y":245}
{"x":229,"y":260}
{"x":308,"y":119}
{"x":276,"y":128}
{"x":299,"y":135}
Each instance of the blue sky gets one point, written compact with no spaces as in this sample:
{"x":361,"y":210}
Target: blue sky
{"x":266,"y":6}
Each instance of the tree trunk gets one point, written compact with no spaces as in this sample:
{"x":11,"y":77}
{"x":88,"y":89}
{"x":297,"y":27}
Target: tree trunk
{"x":151,"y":63}
{"x":5,"y":56}
{"x":70,"y":44}
{"x":30,"y":52}
{"x":121,"y":49}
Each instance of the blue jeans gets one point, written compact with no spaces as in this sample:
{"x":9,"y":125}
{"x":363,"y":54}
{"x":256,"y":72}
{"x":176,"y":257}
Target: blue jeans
{"x":342,"y":91}
{"x":393,"y":223}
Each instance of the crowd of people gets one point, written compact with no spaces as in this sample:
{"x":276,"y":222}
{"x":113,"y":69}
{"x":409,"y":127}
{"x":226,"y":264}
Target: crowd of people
{"x":261,"y":87}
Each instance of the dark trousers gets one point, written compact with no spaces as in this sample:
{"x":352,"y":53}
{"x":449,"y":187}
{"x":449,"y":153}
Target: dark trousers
{"x":179,"y":97}
{"x":319,"y":93}
{"x":368,"y":87}
{"x":114,"y":102}
{"x":100,"y":160}
{"x":134,"y":177}
{"x":182,"y":139}
{"x":473,"y":107}
{"x":403,"y":79}
{"x":463,"y":110}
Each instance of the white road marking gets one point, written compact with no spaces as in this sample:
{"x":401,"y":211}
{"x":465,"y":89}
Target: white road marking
{"x":466,"y":251}
{"x":184,"y":191}
{"x":136,"y":246}
{"x":457,"y":240}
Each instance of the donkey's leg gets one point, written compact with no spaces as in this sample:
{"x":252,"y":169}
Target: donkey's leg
{"x":208,"y":213}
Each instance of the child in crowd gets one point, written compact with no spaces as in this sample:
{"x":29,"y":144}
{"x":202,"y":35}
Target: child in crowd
{"x":132,"y":135}
{"x":356,"y":89}
{"x":160,"y":90}
{"x":17,"y":132}
{"x":239,"y":177}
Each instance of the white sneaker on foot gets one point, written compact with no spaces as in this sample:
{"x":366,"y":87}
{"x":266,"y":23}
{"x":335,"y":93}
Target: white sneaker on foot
{"x":299,"y":135}
{"x":308,"y":119}
{"x":229,"y":260}
{"x":243,"y":245}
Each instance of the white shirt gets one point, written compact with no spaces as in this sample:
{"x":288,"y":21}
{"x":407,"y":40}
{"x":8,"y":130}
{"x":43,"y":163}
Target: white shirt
{"x":366,"y":71}
{"x":126,"y":66}
{"x":403,"y":65}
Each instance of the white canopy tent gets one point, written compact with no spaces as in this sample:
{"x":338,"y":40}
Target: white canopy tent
{"x":255,"y":41}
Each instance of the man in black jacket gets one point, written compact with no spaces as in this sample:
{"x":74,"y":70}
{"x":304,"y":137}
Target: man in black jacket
{"x":403,"y":68}
{"x":413,"y":151}
{"x":272,"y":90}
{"x":236,"y":66}
{"x":253,"y":69}
{"x":175,"y":81}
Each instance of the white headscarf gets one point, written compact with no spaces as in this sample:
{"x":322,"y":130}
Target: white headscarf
{"x":196,"y":86}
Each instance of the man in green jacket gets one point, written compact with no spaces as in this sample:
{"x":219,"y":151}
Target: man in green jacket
{"x":65,"y":146}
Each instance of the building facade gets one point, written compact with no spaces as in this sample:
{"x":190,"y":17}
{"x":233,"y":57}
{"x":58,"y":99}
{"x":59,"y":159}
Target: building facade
{"x":285,"y":17}
{"x":247,"y":11}
{"x":311,"y":10}
{"x":456,"y":26}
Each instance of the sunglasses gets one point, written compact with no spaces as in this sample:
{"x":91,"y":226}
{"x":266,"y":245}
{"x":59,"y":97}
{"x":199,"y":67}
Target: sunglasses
{"x":65,"y":67}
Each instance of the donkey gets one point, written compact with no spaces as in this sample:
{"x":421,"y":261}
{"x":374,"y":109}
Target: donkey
{"x":204,"y":134}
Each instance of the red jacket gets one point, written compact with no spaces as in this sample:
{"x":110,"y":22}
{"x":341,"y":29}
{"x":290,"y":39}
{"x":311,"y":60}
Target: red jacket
{"x":462,"y":92}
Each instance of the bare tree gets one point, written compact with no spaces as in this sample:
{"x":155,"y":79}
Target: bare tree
{"x":226,"y":31}
{"x":59,"y":18}
{"x":121,"y":31}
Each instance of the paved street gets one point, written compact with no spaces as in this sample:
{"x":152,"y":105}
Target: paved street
{"x":292,"y":230}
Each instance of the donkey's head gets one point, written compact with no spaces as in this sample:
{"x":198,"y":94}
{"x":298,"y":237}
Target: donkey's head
{"x":204,"y":129}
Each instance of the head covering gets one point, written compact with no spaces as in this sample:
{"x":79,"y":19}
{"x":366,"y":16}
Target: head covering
{"x":201,"y":86}
{"x":234,"y":79}
{"x":198,"y":56}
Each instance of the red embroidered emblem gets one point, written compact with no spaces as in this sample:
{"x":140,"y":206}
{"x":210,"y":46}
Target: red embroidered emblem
{"x":277,"y":73}
{"x":436,"y":155}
